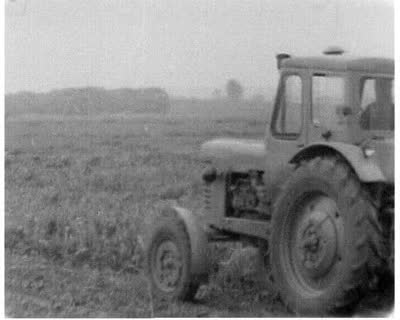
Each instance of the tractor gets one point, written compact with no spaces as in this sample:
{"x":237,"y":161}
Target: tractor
{"x":316,"y":195}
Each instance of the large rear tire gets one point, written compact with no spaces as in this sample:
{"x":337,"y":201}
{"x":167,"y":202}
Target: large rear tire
{"x":325,"y":239}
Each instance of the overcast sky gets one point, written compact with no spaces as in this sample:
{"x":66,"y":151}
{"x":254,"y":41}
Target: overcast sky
{"x":187,"y":47}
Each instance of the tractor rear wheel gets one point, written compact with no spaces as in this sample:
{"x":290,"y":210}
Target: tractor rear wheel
{"x":326,"y":239}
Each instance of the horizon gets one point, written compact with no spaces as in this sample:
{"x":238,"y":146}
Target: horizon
{"x":170,"y":95}
{"x":205,"y":90}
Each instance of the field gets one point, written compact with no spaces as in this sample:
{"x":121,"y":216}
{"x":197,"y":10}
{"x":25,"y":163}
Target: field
{"x":80,"y":193}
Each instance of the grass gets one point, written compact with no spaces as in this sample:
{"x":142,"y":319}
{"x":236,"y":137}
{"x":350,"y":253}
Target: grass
{"x":37,"y":288}
{"x":80,"y":194}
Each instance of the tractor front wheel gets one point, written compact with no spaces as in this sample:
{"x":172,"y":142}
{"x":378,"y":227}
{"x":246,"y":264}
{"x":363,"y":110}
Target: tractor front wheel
{"x":169,"y":259}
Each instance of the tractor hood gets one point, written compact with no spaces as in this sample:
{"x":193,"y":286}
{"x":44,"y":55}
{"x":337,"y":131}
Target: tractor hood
{"x":235,"y":154}
{"x":384,"y":156}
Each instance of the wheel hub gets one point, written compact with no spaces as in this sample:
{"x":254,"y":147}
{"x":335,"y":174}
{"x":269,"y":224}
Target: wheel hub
{"x":316,"y":238}
{"x":168,"y":266}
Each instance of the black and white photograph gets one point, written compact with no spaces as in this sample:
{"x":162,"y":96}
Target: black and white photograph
{"x":185,"y":158}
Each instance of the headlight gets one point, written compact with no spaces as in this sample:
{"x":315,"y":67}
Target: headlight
{"x":368,"y":152}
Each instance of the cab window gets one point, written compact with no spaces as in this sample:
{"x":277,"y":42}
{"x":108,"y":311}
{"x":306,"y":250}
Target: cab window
{"x":377,"y":104}
{"x":287,"y":121}
{"x":328,"y":101}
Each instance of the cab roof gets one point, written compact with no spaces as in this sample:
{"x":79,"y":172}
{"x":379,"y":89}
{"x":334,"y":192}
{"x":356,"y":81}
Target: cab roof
{"x":342,"y":63}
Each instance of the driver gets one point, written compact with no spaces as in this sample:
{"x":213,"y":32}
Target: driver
{"x":379,"y":115}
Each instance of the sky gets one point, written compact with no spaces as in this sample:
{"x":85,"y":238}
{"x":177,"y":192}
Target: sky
{"x":188,"y":47}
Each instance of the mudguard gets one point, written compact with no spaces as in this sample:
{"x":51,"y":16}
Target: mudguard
{"x":200,"y":262}
{"x":367,"y":168}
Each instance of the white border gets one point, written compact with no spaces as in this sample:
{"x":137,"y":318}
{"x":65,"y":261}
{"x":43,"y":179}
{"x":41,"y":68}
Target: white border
{"x":394,"y":315}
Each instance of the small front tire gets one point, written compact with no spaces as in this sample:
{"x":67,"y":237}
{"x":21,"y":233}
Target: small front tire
{"x":168,"y":259}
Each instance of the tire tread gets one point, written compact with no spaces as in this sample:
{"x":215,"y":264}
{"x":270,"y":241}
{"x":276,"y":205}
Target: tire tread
{"x":368,"y":249}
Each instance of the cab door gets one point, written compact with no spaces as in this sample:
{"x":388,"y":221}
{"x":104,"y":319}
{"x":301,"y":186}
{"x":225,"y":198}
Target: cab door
{"x":288,"y":129}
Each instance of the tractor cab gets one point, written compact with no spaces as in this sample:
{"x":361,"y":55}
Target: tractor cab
{"x":333,"y":101}
{"x":334,"y":98}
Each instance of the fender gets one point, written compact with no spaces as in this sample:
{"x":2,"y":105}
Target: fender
{"x":367,"y":169}
{"x":200,"y":262}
